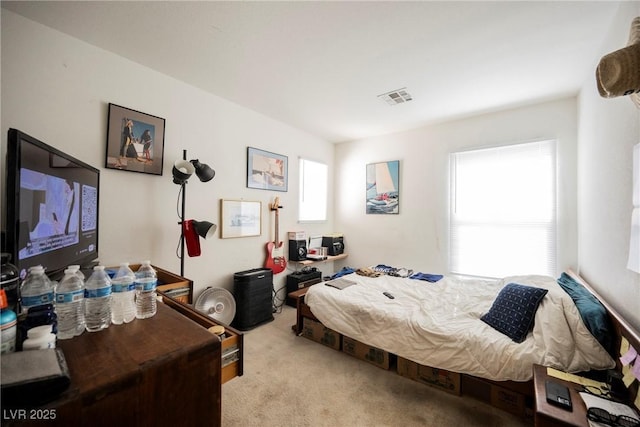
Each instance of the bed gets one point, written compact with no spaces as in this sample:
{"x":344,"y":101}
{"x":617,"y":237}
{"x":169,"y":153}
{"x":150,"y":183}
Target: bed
{"x":440,"y":323}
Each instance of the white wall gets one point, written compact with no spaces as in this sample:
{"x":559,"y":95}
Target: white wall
{"x":418,"y":236}
{"x":57,"y":89}
{"x":609,"y":128}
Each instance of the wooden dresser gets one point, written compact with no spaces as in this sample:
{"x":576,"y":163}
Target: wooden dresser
{"x":161,"y":371}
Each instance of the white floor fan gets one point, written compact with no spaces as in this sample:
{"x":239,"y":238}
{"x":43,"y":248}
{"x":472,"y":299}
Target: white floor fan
{"x":218,"y":304}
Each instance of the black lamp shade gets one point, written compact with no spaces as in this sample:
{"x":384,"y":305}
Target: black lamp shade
{"x":203,"y":171}
{"x":192,"y":230}
{"x":204,"y":229}
{"x":182,"y":170}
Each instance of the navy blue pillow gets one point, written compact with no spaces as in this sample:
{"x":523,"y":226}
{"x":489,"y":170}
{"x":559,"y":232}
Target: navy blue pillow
{"x":593,"y":313}
{"x":514,"y":309}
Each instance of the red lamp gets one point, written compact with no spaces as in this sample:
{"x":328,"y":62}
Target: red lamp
{"x":192,"y":231}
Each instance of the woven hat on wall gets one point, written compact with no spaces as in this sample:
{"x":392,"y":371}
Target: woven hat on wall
{"x":618,"y":73}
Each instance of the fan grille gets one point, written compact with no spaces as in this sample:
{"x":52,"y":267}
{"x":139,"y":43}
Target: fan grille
{"x":218,"y":304}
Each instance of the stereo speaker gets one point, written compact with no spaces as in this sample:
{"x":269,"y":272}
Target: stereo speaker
{"x":297,"y":250}
{"x":334,"y":243}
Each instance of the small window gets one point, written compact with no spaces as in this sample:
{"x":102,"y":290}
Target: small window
{"x":313,"y":191}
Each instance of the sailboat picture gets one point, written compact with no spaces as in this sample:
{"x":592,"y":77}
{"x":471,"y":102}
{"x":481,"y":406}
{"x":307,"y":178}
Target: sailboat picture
{"x":383,"y":195}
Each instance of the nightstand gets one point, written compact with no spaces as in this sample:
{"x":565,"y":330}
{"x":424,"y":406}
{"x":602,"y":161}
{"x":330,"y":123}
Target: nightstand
{"x":548,"y":415}
{"x":302,"y":310}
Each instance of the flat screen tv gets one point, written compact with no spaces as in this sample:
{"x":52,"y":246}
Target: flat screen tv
{"x":52,"y":206}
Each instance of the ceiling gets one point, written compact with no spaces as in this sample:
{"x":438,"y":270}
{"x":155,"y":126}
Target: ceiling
{"x":320,"y":66}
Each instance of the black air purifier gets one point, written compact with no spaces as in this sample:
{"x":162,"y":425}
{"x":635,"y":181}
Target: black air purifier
{"x":253,"y":292}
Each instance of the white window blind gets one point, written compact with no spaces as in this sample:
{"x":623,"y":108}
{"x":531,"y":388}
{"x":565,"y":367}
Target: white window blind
{"x":313,"y":191}
{"x":503,"y":210}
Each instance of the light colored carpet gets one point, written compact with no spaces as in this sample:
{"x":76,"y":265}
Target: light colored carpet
{"x":292,"y":381}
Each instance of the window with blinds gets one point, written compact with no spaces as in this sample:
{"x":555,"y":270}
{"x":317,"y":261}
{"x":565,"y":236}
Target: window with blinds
{"x":503,"y":210}
{"x":312,"y":201}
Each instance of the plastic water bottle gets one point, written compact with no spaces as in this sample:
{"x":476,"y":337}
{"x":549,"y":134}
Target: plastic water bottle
{"x":146,"y":282}
{"x":123,"y":292}
{"x":70,"y":305}
{"x":76,"y":270}
{"x":97,"y":300}
{"x":36,"y":289}
{"x":8,"y":322}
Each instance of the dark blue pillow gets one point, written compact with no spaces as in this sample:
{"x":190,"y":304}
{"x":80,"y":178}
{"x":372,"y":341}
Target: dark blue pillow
{"x":593,"y":313}
{"x":514,"y":309}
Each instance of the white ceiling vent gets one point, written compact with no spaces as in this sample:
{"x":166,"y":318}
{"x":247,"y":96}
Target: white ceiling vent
{"x":395,"y":97}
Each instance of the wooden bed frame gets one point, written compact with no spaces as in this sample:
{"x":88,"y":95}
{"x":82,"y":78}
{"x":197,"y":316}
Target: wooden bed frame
{"x":482,"y":388}
{"x":621,"y":328}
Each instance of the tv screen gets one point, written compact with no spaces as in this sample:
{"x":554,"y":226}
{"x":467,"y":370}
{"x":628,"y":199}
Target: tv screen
{"x":52,"y":206}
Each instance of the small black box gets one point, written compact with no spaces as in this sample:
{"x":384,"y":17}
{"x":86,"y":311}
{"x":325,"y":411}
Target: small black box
{"x":297,"y":250}
{"x":299,"y":280}
{"x":558,"y":394}
{"x":334,"y":244}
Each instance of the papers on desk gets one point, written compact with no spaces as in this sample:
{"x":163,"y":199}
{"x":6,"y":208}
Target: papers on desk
{"x":576,"y":379}
{"x":610,"y":406}
{"x":630,"y":361}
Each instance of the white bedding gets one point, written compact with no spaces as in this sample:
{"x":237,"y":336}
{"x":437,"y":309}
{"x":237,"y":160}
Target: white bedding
{"x":438,"y":324}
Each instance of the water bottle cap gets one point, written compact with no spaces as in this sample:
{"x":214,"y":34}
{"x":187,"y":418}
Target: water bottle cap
{"x":74,"y":267}
{"x":36,"y":269}
{"x":98,"y":268}
{"x":146,"y":262}
{"x":39,"y":331}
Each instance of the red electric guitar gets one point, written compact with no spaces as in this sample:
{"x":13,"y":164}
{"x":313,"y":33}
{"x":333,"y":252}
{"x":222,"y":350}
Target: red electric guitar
{"x":275,"y":252}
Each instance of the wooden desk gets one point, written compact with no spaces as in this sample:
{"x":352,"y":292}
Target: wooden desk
{"x":160,"y":371}
{"x":548,"y":415}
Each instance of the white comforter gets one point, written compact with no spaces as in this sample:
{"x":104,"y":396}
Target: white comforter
{"x":438,"y":324}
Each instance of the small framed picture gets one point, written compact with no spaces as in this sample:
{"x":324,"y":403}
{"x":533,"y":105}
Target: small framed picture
{"x":240,"y":218}
{"x":383,"y":190}
{"x":266,"y":171}
{"x":135,"y":141}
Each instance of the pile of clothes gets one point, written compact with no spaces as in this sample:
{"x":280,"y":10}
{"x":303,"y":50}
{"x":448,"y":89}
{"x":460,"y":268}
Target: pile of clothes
{"x":381,"y":269}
